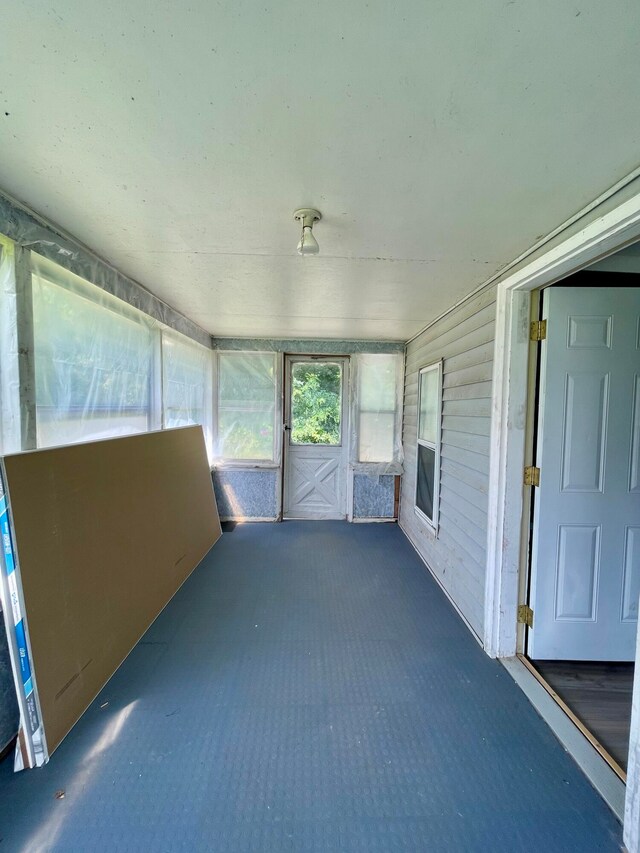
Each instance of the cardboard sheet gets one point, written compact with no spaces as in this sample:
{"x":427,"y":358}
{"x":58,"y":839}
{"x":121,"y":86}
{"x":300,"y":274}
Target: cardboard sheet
{"x":105,"y":533}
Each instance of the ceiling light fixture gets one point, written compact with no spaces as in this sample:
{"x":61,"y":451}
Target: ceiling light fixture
{"x":308,"y":244}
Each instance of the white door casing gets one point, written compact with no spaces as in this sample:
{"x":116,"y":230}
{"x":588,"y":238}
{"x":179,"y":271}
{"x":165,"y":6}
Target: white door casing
{"x":585,"y":572}
{"x":315,"y":475}
{"x":607,"y":225}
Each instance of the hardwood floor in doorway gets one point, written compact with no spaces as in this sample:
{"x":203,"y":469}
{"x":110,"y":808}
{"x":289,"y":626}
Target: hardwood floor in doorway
{"x":599,"y":694}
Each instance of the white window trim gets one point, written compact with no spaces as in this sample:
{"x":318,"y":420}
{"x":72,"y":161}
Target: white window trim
{"x":435,"y":446}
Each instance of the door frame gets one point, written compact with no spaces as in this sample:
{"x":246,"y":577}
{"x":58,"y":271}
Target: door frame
{"x":507,"y":515}
{"x":510,"y":398}
{"x":288,"y":358}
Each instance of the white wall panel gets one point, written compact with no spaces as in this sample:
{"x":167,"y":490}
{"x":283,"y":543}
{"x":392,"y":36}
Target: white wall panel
{"x":457,"y":555}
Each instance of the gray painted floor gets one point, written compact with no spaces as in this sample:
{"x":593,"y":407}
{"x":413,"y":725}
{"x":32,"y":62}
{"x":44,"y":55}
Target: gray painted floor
{"x":308,"y":689}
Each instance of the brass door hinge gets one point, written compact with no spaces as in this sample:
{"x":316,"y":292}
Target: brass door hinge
{"x":538,"y":330}
{"x":531,"y":476}
{"x":525,"y":615}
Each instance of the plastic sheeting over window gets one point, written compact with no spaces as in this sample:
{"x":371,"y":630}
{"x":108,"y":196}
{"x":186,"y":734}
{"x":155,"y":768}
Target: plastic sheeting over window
{"x":377,"y":412}
{"x":30,"y":232}
{"x":247,"y":386}
{"x":93,"y":365}
{"x":10,"y":439}
{"x":99,"y":362}
{"x":187,"y":377}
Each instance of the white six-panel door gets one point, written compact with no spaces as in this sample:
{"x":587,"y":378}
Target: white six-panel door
{"x":585,"y":571}
{"x":315,"y":475}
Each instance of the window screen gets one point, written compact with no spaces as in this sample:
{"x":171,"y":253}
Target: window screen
{"x":246,"y":406}
{"x":428,"y":457}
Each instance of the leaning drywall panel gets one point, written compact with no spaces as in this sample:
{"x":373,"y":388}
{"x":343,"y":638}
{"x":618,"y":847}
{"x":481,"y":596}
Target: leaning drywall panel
{"x":31,"y":749}
{"x":105,"y":533}
{"x":9,"y":712}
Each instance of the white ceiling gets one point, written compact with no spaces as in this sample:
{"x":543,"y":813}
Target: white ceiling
{"x":438,"y":139}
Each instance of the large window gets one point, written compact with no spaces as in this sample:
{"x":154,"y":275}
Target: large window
{"x":93,"y":365}
{"x":102,"y":368}
{"x":246,"y":407}
{"x":428,"y":462}
{"x":186,"y":379}
{"x":379,"y":408}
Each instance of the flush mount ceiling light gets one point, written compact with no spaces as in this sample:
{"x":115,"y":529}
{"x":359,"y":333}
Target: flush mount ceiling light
{"x":308,"y":244}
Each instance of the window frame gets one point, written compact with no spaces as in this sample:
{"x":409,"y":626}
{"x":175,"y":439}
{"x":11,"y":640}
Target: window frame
{"x":436,"y":446}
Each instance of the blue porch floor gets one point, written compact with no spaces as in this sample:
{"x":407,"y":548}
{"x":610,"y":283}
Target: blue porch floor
{"x":309,"y":688}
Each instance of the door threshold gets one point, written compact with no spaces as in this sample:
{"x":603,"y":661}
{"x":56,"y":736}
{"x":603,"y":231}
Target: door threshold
{"x":593,"y":740}
{"x":314,"y":518}
{"x":606,"y":776}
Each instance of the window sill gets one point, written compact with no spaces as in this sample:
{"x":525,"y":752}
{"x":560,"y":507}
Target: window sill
{"x":430,"y":526}
{"x":241,"y":465}
{"x":392,"y":469}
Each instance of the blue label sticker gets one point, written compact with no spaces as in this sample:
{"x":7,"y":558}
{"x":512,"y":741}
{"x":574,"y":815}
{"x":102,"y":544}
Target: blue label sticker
{"x":6,"y":542}
{"x":22,"y":651}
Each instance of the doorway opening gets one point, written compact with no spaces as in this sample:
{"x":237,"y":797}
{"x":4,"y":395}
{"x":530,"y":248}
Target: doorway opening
{"x":582,"y":574}
{"x":316,"y":431}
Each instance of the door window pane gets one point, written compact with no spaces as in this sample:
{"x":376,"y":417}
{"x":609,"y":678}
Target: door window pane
{"x":428,"y":430}
{"x":316,"y":402}
{"x":426,"y":480}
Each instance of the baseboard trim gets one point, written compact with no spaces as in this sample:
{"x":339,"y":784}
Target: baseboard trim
{"x":243,"y":518}
{"x":373,"y":520}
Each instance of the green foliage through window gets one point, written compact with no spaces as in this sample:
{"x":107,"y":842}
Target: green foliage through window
{"x":316,"y":402}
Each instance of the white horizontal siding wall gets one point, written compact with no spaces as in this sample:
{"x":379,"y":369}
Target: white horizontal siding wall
{"x":464,"y":340}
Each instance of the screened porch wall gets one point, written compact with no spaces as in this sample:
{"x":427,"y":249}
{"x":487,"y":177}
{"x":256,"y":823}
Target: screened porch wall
{"x":247,"y":492}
